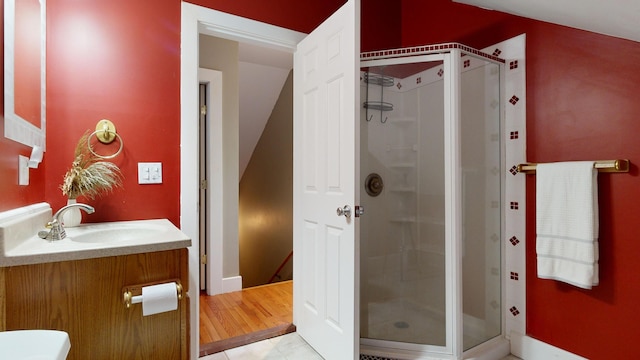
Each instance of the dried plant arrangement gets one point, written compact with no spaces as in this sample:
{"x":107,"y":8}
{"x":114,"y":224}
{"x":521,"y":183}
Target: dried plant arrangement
{"x":88,"y":175}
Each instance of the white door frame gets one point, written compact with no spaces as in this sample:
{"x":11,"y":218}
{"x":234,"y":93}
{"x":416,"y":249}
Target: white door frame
{"x":214,"y":277}
{"x":196,"y":20}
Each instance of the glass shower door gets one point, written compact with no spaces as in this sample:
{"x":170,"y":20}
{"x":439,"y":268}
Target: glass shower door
{"x":481,"y":201}
{"x":402,"y":235}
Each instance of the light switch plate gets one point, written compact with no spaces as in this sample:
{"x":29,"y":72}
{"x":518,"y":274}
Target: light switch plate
{"x":149,"y":173}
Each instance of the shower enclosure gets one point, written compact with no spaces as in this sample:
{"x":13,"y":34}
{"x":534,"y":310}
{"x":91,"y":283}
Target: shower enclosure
{"x":431,"y":160}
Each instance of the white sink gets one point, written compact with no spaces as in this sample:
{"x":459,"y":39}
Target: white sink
{"x":20,"y":244}
{"x":115,"y":232}
{"x":34,"y":344}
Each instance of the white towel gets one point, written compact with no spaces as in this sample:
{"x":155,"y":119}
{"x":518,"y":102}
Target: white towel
{"x":567,"y":222}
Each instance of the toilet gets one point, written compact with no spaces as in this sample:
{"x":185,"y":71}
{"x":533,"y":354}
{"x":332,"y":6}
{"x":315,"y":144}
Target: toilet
{"x":35,"y":344}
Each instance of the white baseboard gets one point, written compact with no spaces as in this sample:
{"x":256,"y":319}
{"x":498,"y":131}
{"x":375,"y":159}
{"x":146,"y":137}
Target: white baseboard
{"x":231,"y":284}
{"x":528,"y":348}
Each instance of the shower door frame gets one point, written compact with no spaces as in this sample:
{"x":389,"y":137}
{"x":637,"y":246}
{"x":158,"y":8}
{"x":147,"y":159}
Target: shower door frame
{"x":452,"y":66}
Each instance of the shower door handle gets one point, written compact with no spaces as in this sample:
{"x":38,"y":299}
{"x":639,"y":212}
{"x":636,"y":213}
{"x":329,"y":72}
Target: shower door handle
{"x":345,"y":210}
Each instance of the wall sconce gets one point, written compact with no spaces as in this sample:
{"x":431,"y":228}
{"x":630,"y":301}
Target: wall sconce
{"x":26,"y":163}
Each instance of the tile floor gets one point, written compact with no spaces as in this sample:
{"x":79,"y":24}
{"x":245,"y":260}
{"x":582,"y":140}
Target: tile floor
{"x":285,"y":347}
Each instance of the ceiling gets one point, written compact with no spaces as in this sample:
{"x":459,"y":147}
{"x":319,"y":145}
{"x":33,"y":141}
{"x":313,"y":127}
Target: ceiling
{"x":619,"y":18}
{"x":262,"y":73}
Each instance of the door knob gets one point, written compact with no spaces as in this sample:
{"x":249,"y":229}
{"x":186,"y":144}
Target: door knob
{"x":345,"y":210}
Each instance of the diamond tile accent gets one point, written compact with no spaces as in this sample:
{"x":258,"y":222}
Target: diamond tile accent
{"x":513,"y":64}
{"x":398,"y":85}
{"x":513,"y":205}
{"x":514,"y":311}
{"x":419,"y":80}
{"x":514,"y":241}
{"x":514,"y":100}
{"x":514,"y":170}
{"x":513,"y":135}
{"x":514,"y":276}
{"x":440,"y":72}
{"x":467,"y":63}
{"x":497,"y":52}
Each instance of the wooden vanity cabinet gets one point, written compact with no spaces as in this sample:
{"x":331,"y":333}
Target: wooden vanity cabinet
{"x":85,"y":299}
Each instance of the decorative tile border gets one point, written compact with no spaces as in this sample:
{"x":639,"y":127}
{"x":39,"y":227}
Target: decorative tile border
{"x":428,"y":76}
{"x":429,"y":49}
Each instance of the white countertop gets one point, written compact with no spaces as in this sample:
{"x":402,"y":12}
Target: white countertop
{"x":20,"y":244}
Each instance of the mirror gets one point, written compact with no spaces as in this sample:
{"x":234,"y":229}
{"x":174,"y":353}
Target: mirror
{"x":24,"y":71}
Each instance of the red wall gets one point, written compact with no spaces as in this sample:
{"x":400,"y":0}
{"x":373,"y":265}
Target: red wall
{"x":116,"y":60}
{"x":302,"y":16}
{"x":581,"y":105}
{"x":120,"y":60}
{"x":380,"y":26}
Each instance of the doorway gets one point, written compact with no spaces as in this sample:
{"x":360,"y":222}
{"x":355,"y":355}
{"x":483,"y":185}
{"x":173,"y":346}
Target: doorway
{"x":197,"y":20}
{"x":242,"y":317}
{"x":264,"y":98}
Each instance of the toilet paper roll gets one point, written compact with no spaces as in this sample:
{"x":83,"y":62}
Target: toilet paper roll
{"x":159,"y":298}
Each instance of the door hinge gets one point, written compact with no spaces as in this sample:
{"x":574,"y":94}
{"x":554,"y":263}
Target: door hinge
{"x":203,"y":184}
{"x":203,"y":259}
{"x":203,"y":110}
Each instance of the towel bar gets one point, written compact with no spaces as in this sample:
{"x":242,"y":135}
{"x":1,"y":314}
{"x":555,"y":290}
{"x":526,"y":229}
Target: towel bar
{"x":611,"y":166}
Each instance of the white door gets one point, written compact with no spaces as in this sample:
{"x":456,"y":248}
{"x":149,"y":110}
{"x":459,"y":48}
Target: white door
{"x":326,"y":74}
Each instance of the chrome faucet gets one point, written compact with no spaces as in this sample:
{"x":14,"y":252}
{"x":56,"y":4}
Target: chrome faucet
{"x":57,"y":229}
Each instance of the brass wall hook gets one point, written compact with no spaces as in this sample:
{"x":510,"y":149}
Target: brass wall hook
{"x":106,"y":134}
{"x":105,"y":131}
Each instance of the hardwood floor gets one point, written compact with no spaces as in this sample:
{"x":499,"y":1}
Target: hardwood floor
{"x":242,"y":317}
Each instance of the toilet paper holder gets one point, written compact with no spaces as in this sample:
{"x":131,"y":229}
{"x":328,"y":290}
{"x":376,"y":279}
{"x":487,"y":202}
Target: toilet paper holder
{"x":133,"y":294}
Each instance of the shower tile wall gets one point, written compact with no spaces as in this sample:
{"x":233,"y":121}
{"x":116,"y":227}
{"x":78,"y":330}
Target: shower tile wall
{"x":514,"y":137}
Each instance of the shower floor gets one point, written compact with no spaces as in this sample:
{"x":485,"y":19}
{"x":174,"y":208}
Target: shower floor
{"x":399,"y":308}
{"x":405,"y":320}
